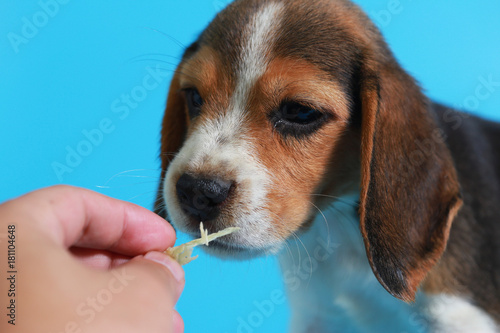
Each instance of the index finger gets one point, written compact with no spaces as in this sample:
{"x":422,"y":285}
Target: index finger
{"x":78,"y":217}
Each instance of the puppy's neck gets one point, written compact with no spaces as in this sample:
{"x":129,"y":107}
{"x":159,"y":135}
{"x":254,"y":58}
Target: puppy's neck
{"x":332,"y":288}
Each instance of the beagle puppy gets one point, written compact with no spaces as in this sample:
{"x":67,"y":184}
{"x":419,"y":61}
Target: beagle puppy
{"x":292,"y":120}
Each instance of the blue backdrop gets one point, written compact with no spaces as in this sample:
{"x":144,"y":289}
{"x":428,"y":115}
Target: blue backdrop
{"x":82,"y":91}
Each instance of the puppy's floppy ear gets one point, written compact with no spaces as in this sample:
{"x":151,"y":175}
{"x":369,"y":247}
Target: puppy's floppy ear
{"x":409,"y":188}
{"x":174,"y":127}
{"x":173,"y":131}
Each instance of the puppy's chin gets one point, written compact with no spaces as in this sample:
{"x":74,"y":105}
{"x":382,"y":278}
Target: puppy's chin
{"x":228,"y":250}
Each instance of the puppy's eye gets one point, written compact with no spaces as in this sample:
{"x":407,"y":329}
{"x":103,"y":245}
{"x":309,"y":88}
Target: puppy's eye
{"x":299,"y":114}
{"x":194,"y":101}
{"x":297,"y":119}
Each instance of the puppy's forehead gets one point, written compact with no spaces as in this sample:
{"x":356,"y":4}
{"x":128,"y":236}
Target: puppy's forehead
{"x":326,"y":33}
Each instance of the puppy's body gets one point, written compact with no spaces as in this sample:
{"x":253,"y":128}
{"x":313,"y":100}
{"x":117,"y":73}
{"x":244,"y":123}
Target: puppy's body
{"x":471,"y":263}
{"x":332,"y":288}
{"x":283,"y":109}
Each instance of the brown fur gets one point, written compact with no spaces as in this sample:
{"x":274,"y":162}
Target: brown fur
{"x":298,"y":166}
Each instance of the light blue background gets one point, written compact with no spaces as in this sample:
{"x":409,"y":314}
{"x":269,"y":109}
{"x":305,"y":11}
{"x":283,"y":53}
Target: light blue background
{"x":70,"y":74}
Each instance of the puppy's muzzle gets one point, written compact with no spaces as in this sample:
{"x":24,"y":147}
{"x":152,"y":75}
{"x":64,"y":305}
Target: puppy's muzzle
{"x":202,"y":198}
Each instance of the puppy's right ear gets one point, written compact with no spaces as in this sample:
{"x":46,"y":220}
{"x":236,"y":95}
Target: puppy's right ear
{"x":173,"y":131}
{"x":410,"y":192}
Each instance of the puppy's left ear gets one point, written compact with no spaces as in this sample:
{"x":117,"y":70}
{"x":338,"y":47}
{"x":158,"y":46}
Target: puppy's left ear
{"x":409,"y":188}
{"x":174,"y":127}
{"x":173,"y":132}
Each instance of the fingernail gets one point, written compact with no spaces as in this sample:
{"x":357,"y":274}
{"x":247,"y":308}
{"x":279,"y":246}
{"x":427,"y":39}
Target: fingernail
{"x":178,"y":322}
{"x":172,"y":265}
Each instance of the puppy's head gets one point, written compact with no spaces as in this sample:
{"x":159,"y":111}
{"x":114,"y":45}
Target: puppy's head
{"x":278,"y":101}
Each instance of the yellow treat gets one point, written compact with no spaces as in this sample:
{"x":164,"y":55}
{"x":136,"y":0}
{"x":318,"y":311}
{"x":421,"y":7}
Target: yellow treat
{"x":182,"y":253}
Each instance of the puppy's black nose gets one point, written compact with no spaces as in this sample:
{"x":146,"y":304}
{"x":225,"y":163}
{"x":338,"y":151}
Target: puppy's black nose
{"x":201,"y":198}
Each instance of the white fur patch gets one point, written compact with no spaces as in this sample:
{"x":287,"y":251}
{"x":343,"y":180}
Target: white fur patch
{"x":453,"y":314}
{"x":259,"y":36}
{"x":222,"y":143}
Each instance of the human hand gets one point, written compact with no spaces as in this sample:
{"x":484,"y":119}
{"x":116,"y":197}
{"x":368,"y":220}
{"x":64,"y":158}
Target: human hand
{"x":88,"y":263}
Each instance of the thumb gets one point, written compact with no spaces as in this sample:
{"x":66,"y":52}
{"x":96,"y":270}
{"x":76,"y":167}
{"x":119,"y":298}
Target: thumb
{"x":156,"y":268}
{"x":170,"y":266}
{"x":146,"y":289}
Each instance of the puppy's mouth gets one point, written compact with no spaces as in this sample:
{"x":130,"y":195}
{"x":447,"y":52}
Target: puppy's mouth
{"x":227,"y":247}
